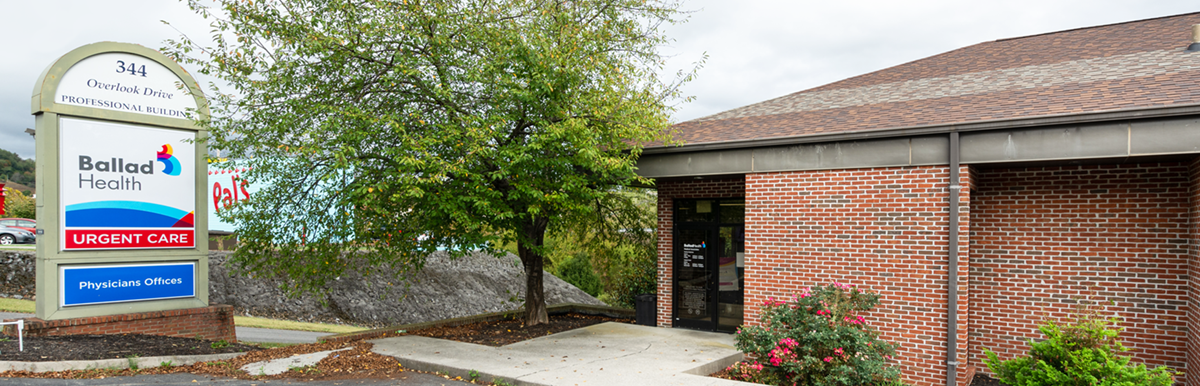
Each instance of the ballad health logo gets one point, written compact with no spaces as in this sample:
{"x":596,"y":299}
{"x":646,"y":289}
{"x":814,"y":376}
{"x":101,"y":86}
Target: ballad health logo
{"x":126,"y":214}
{"x":170,"y":163}
{"x":129,"y":197}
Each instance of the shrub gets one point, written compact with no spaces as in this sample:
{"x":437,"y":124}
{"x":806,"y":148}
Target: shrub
{"x":821,"y":338}
{"x":640,"y":276}
{"x":1083,"y":350}
{"x":577,"y":270}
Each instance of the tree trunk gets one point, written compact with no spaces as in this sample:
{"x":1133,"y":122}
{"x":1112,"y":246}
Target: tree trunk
{"x":535,"y":297}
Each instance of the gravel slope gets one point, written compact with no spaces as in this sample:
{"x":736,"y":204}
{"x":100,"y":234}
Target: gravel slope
{"x":446,"y":288}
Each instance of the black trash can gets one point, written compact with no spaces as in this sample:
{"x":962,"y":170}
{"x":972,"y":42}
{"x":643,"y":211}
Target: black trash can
{"x":645,"y":307}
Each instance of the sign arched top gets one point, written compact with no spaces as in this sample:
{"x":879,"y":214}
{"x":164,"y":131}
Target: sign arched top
{"x":122,"y":82}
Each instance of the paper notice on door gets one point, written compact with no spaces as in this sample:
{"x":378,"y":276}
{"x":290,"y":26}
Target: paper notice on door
{"x":727,"y":277}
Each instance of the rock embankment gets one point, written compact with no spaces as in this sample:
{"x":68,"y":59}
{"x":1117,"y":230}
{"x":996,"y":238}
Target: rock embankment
{"x":17,"y":270}
{"x":445,"y":288}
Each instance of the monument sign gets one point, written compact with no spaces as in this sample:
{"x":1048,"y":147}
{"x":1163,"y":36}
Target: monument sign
{"x":121,"y":172}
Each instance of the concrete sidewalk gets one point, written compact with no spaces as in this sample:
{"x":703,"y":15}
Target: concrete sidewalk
{"x":615,"y":354}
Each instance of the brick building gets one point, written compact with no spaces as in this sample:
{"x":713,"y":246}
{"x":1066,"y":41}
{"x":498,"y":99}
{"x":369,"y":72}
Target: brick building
{"x":1070,"y":158}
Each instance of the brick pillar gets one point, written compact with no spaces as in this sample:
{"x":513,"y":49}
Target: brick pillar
{"x":1193,"y":307}
{"x":966,"y":369}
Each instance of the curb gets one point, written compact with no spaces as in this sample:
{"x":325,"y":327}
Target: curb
{"x":147,"y":362}
{"x":428,"y":367}
{"x":557,"y":309}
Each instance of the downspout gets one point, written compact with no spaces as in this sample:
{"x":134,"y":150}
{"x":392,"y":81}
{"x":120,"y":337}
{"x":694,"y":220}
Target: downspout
{"x":952,"y":276}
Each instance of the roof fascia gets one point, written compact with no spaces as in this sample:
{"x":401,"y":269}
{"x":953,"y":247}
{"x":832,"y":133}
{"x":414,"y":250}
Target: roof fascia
{"x":910,"y":131}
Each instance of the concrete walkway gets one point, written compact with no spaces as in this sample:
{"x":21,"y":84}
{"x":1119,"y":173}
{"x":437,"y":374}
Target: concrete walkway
{"x":615,"y":354}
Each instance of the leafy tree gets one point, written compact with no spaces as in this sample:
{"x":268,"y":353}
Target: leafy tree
{"x":619,"y":243}
{"x":458,"y":125}
{"x":14,"y":168}
{"x":17,"y":204}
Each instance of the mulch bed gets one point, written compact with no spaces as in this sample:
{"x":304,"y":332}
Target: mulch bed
{"x":90,"y":347}
{"x":506,"y":332}
{"x":357,"y":363}
{"x":984,"y":380}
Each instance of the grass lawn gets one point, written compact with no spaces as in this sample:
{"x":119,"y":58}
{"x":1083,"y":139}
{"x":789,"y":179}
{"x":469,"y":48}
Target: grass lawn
{"x":16,"y":305}
{"x":249,"y":321}
{"x":27,"y":306}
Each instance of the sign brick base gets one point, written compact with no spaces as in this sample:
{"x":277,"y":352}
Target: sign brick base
{"x":214,"y":322}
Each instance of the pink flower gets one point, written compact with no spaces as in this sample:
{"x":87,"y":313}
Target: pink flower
{"x":838,"y":351}
{"x":828,"y":359}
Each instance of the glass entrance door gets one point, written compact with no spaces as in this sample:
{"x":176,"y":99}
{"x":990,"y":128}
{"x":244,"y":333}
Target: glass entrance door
{"x":693,"y":276}
{"x":708,"y":264}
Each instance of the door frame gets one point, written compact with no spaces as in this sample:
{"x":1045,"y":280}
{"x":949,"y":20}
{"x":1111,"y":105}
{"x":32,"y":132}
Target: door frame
{"x":712,"y":233}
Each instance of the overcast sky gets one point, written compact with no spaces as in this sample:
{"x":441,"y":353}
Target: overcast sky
{"x":757,"y":49}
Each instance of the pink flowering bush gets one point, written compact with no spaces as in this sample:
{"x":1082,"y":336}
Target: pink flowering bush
{"x":818,"y":338}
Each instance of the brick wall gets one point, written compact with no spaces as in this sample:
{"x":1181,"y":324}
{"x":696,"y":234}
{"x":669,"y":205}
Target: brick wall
{"x":1193,"y":324}
{"x":210,"y":323}
{"x":667,"y":192}
{"x":1042,"y":236}
{"x":882,"y":228}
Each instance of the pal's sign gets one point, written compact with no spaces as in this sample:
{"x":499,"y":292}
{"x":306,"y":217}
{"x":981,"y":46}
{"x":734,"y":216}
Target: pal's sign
{"x":121,"y":173}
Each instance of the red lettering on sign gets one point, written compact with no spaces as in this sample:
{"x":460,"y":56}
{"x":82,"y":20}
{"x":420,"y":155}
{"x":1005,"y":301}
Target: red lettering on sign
{"x":129,"y":238}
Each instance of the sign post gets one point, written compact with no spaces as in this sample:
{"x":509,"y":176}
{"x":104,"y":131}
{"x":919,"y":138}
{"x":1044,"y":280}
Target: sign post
{"x":121,"y":177}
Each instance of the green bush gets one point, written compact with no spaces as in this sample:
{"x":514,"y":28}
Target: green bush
{"x":640,"y":276}
{"x":1084,"y":351}
{"x":577,"y":270}
{"x":821,"y":338}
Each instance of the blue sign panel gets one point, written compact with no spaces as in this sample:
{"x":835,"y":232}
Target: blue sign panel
{"x":83,"y":285}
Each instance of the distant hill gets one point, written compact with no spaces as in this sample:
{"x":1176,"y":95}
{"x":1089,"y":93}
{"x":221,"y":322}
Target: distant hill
{"x":27,"y":190}
{"x":15,"y":169}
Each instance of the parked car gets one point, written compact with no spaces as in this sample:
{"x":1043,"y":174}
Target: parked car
{"x":10,"y":235}
{"x":20,"y":223}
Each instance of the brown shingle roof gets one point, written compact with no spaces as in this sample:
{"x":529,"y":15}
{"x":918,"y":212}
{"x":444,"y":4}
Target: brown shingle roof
{"x":1137,"y":64}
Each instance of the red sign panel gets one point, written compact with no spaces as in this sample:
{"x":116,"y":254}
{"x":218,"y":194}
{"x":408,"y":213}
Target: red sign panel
{"x":128,"y":238}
